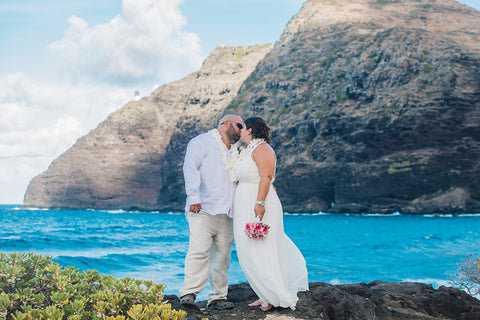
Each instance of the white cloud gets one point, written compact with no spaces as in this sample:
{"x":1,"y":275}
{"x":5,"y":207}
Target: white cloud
{"x":42,"y":120}
{"x":146,"y":43}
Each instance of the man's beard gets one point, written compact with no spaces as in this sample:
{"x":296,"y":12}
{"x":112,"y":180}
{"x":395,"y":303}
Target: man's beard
{"x":232,"y":134}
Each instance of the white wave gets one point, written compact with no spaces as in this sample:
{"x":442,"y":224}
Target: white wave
{"x":115,"y":211}
{"x":446,"y":215}
{"x":335,"y":282}
{"x":320,"y":213}
{"x":120,"y":211}
{"x":436,"y":283}
{"x":449,"y":215}
{"x":31,"y":209}
{"x":11,"y":238}
{"x":103,"y":253}
{"x":170,"y":213}
{"x":395,"y":214}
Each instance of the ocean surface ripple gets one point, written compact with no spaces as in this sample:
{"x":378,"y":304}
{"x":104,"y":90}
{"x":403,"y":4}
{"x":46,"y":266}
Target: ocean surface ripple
{"x":338,"y":248}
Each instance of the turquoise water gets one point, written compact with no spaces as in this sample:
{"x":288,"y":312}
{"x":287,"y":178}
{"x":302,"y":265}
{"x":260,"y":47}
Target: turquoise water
{"x":337,"y":248}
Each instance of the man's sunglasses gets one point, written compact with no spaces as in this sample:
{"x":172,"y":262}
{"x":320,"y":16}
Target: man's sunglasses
{"x":239,"y":125}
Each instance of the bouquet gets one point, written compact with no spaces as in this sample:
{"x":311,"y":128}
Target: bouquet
{"x":256,"y":230}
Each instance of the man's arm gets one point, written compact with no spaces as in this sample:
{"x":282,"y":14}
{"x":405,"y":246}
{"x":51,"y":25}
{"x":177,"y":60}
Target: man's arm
{"x":191,"y":172}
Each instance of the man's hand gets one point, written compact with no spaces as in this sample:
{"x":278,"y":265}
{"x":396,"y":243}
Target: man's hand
{"x":195,"y":208}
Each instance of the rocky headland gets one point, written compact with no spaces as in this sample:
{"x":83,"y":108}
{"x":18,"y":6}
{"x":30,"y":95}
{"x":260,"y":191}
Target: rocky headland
{"x":374,"y":107}
{"x":133,"y":159}
{"x":376,"y":300}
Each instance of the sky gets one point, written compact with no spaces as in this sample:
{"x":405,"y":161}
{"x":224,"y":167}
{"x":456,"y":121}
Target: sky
{"x":66,"y":65}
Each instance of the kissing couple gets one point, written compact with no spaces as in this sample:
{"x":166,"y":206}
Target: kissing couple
{"x":226,"y":190}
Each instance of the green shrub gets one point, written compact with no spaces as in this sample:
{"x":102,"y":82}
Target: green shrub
{"x":424,"y":5}
{"x":239,"y":53}
{"x":33,"y":287}
{"x":427,"y":68}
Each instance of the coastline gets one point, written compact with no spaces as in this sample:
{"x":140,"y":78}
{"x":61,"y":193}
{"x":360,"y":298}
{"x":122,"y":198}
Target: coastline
{"x":376,"y":300}
{"x":386,"y":213}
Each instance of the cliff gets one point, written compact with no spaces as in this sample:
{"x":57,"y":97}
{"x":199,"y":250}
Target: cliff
{"x":374,"y":107}
{"x":125,"y":161}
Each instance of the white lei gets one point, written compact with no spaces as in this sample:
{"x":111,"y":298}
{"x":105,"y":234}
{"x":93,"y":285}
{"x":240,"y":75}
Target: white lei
{"x":229,"y":164}
{"x":252,"y":145}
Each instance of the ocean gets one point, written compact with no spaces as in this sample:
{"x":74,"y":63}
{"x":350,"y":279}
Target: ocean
{"x":338,"y":248}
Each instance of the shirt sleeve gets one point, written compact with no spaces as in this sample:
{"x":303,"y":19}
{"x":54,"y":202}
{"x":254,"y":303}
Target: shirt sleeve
{"x":191,"y":170}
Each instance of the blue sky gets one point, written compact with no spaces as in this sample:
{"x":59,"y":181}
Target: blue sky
{"x":65,"y":65}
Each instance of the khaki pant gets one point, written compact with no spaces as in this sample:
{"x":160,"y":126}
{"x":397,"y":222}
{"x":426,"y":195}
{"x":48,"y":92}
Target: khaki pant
{"x":209,"y":253}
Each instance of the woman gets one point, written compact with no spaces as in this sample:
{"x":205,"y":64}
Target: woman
{"x":274,"y":267}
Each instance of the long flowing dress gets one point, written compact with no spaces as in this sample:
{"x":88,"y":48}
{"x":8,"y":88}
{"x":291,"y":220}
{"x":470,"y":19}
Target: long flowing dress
{"x":274,"y":267}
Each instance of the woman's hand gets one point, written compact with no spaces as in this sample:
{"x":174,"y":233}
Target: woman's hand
{"x":259,"y":211}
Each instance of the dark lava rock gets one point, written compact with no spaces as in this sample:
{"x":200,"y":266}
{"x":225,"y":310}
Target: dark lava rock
{"x":376,"y":300}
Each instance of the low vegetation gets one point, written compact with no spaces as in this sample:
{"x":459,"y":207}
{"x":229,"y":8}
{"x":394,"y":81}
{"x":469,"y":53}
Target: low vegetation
{"x":468,"y":276}
{"x":34,"y":287}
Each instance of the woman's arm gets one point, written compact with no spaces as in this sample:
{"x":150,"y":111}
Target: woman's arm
{"x":265,"y":158}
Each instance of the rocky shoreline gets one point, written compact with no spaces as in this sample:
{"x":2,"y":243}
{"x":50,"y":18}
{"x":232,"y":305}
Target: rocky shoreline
{"x":376,"y":300}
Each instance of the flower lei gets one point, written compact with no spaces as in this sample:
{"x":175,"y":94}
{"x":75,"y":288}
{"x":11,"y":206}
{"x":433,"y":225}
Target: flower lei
{"x":252,"y":145}
{"x":229,"y":164}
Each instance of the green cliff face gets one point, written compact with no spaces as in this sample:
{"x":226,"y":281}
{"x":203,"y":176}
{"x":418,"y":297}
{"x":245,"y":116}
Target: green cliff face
{"x":374,"y":107}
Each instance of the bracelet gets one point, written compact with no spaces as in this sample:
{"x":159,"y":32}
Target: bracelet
{"x":262,"y":203}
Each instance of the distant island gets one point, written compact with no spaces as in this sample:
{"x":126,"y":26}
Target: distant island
{"x":374,"y":107}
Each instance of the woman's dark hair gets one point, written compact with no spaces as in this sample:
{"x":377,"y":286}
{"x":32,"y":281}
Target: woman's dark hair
{"x":259,"y":127}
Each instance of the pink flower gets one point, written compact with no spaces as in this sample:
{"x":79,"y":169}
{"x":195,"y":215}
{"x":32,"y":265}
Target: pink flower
{"x":256,"y":230}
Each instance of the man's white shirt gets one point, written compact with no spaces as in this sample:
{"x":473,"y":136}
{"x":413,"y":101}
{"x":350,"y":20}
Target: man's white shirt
{"x":206,"y":180}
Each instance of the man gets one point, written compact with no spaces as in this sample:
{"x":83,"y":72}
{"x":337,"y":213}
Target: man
{"x":210,"y":183}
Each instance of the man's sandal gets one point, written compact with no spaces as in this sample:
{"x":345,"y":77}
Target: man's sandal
{"x":188,"y":300}
{"x":220,"y":305}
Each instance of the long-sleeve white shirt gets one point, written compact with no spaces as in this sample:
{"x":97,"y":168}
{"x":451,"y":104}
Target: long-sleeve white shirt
{"x":206,"y":180}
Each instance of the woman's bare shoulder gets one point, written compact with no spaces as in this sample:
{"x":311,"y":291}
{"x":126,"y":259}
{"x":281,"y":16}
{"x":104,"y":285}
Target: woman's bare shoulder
{"x":264,"y":150}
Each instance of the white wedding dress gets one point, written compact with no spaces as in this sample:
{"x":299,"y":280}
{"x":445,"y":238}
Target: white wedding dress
{"x":274,"y":267}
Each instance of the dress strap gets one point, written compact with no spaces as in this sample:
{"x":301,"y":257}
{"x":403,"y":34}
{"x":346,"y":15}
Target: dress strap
{"x":254,"y":147}
{"x":255,"y":143}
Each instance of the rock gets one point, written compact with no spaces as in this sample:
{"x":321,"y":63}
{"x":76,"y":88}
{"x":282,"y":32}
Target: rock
{"x":374,"y":107}
{"x":376,"y":300}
